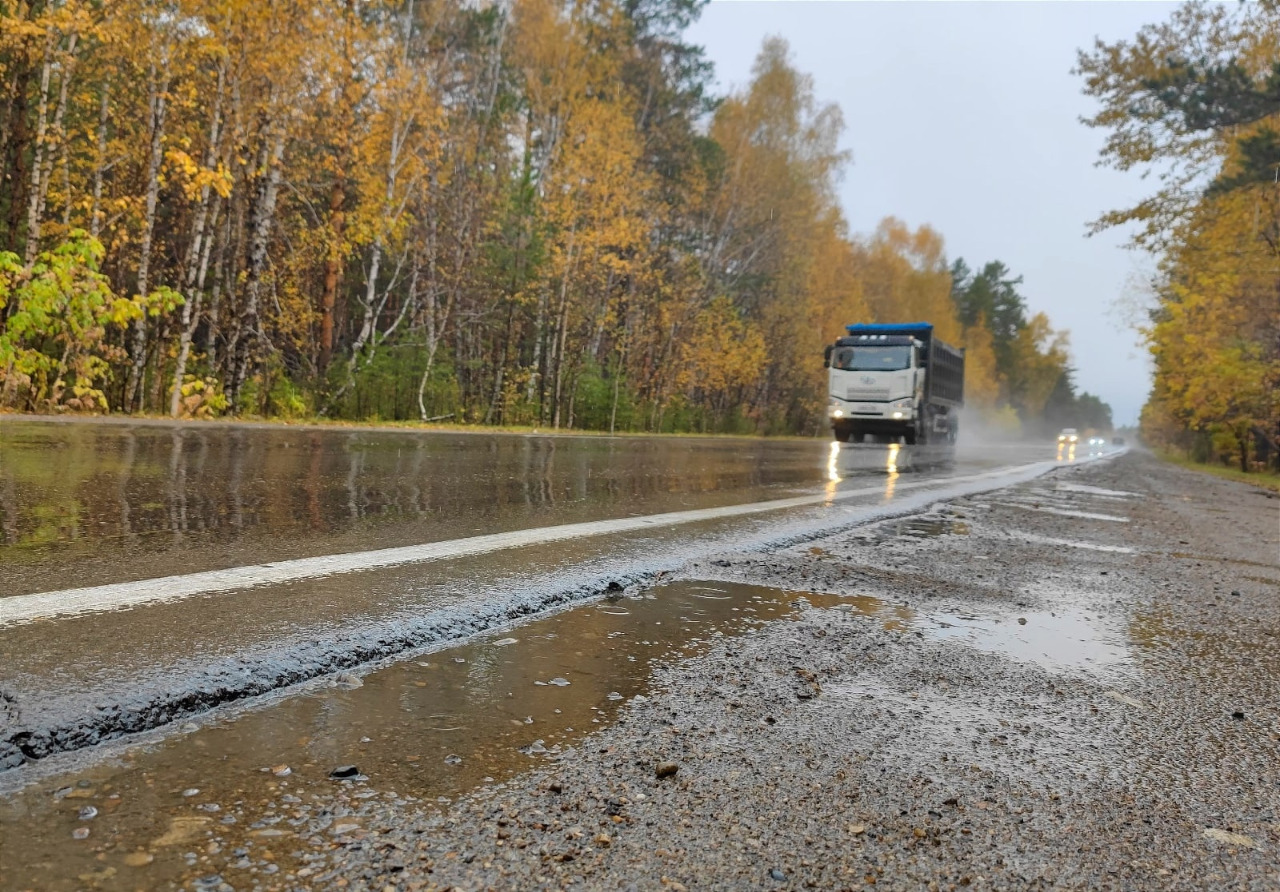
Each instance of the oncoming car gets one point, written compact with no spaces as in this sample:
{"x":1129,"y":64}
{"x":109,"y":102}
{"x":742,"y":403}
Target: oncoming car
{"x":1095,"y":442}
{"x":1068,"y":435}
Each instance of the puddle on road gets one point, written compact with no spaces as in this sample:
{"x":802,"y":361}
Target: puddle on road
{"x":225,"y":798}
{"x":1057,"y":640}
{"x":436,"y":725}
{"x":1095,"y":490}
{"x":929,"y":527}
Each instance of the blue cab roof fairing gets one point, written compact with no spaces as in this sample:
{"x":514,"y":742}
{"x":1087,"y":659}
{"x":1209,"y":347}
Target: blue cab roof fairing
{"x":880,"y":328}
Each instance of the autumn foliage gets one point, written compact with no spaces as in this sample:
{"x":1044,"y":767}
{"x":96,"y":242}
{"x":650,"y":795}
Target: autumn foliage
{"x":521,"y":213}
{"x":1195,"y":101}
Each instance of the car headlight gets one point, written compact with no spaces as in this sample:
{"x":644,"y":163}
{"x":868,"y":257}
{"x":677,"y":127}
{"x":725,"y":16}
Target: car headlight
{"x":1074,"y":439}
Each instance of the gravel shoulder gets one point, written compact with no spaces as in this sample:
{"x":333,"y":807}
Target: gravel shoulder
{"x":921,"y":735}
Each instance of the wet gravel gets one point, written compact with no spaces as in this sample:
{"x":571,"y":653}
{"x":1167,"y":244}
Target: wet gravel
{"x":1072,"y":683}
{"x":938,"y":743}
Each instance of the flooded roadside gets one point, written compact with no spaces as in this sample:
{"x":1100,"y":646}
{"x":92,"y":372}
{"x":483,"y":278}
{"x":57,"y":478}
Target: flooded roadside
{"x":173,"y":810}
{"x":239,"y":794}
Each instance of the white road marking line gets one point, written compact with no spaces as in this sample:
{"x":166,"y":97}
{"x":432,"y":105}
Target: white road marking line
{"x":115,"y":596}
{"x":1096,"y":490}
{"x":1046,"y":540}
{"x":1087,"y":515}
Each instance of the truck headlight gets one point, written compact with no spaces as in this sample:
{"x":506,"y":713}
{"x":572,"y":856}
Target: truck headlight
{"x":901,"y":404}
{"x":836,"y":413}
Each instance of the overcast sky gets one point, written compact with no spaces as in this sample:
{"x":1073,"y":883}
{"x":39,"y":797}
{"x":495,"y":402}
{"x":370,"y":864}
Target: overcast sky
{"x":965,"y":116}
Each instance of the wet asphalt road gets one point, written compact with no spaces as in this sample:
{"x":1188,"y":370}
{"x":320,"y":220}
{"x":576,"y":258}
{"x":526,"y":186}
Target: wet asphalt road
{"x":1067,"y":682}
{"x":105,"y":507}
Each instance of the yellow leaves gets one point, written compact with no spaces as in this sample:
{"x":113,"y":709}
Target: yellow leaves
{"x":981,"y":380}
{"x":196,"y":178}
{"x":723,"y":353}
{"x":123,"y":310}
{"x":906,"y":278}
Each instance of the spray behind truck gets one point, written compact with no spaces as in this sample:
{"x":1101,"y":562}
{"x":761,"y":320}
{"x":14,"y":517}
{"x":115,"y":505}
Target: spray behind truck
{"x":894,"y":383}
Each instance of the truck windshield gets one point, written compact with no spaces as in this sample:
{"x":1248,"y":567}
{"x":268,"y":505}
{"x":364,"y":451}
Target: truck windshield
{"x":871,"y":359}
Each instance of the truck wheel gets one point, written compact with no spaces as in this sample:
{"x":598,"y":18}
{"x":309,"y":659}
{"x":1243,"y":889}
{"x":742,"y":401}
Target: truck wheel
{"x":910,"y":438}
{"x":842,"y":433}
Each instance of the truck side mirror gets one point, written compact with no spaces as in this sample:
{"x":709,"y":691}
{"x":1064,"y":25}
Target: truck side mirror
{"x":826,"y":357}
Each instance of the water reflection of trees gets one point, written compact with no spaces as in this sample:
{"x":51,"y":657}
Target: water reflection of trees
{"x":63,"y":484}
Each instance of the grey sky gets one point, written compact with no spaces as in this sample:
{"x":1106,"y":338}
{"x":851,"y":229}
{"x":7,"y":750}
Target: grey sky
{"x":965,"y":116}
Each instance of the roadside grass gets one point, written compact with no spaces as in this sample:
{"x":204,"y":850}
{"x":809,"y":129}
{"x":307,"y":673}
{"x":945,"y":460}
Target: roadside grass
{"x":314,"y":423}
{"x":1263,"y":479}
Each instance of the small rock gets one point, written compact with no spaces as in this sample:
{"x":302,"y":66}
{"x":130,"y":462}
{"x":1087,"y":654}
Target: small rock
{"x":1022,"y":620}
{"x":1235,"y":593}
{"x":1123,"y":698}
{"x":139,"y":859}
{"x":80,"y":833}
{"x":347,"y":681}
{"x":343,"y":772}
{"x":1226,"y":836}
{"x":559,"y":682}
{"x":857,"y":829}
{"x":1237,"y":715}
{"x":777,"y":875}
{"x":191,"y":791}
{"x":666,"y":769}
{"x":555,"y":787}
{"x":459,"y":659}
{"x":452,"y":759}
{"x":281,"y":770}
{"x":503,"y":642}
{"x":603,"y":839}
{"x":88,"y":813}
{"x":613,"y":695}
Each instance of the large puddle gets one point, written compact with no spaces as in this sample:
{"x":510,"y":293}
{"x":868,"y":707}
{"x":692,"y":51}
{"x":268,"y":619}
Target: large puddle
{"x":222,"y":798}
{"x":172,"y":811}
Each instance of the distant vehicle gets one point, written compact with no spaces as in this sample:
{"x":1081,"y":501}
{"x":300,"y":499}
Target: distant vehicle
{"x":1117,"y":441}
{"x":1068,"y":435}
{"x":1097,"y":441}
{"x":894,"y":381}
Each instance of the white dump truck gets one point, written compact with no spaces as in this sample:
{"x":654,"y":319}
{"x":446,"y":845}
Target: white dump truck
{"x":894,"y":383}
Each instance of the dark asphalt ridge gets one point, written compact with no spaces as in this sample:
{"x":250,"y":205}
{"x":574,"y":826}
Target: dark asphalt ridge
{"x":913,"y":761}
{"x":42,"y":726}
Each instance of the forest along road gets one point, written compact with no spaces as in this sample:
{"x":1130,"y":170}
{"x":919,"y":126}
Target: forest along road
{"x":150,"y":571}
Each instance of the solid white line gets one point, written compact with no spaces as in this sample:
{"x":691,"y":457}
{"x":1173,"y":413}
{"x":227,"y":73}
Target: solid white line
{"x":26,"y":608}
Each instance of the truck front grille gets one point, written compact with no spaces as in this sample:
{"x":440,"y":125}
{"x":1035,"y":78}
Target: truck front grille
{"x":870,"y":394}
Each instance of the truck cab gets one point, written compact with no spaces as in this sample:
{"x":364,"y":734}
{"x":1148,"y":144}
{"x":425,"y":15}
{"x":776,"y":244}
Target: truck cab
{"x":894,"y":383}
